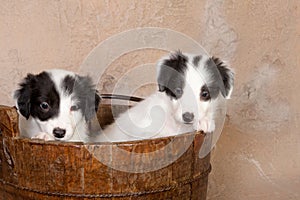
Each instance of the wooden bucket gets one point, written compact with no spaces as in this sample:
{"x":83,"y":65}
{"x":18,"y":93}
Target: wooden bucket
{"x":34,"y":169}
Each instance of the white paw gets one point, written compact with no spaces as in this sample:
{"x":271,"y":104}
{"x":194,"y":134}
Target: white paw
{"x":206,"y":125}
{"x":43,"y":136}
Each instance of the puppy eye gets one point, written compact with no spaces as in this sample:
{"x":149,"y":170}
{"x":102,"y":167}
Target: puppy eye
{"x":74,"y":108}
{"x":44,"y":106}
{"x":178,"y":92}
{"x":204,"y":95}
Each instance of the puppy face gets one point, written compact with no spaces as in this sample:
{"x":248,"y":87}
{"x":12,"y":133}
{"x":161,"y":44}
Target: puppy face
{"x":194,"y":84}
{"x":57,"y":102}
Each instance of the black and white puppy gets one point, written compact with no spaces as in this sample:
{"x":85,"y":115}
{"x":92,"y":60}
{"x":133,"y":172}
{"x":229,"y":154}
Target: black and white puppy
{"x":56,"y":105}
{"x":191,"y":88}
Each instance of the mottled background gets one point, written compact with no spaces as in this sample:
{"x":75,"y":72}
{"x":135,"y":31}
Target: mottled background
{"x":258,"y":154}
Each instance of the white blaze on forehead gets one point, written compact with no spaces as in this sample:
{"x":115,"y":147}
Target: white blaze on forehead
{"x":201,"y":69}
{"x":57,"y":75}
{"x":65,"y":119}
{"x":197,"y":76}
{"x":199,"y":72}
{"x":195,"y":79}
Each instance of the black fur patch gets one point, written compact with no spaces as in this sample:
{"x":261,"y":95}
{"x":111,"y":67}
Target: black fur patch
{"x":68,"y":84}
{"x":196,"y":60}
{"x":85,"y":92}
{"x":171,"y":75}
{"x":34,"y":90}
{"x":222,"y":77}
{"x":226,"y":73}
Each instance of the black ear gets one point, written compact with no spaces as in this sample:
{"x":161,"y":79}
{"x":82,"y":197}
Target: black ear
{"x":227,"y":75}
{"x":88,"y":96}
{"x":23,"y":95}
{"x":91,"y":106}
{"x":171,"y":73}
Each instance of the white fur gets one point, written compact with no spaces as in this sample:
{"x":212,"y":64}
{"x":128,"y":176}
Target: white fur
{"x":151,"y":118}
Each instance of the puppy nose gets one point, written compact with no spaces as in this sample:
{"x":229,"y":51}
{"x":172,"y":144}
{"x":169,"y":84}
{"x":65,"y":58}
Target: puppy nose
{"x":188,"y":117}
{"x":59,"y":133}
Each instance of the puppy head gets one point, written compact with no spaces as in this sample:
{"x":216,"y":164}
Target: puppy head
{"x":57,"y":102}
{"x":193,"y":83}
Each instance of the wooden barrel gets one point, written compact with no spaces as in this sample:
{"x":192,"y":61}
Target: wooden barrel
{"x":34,"y":169}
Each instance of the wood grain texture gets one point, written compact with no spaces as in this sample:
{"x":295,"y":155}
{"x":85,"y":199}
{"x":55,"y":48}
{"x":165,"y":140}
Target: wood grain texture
{"x":35,"y":169}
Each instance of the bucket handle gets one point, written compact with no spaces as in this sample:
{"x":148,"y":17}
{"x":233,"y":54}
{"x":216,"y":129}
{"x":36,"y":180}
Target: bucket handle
{"x":121,"y":97}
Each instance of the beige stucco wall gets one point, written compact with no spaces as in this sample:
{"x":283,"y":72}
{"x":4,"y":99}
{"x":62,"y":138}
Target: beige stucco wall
{"x":258,"y":154}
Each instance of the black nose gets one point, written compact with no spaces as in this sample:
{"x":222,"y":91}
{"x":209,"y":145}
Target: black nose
{"x":59,"y":133}
{"x":188,"y":117}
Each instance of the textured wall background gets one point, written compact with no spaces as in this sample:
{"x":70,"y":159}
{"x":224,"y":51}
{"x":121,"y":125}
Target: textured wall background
{"x":258,"y":155}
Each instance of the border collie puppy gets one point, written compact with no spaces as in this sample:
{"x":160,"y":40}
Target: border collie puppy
{"x":56,"y":105}
{"x":191,"y":88}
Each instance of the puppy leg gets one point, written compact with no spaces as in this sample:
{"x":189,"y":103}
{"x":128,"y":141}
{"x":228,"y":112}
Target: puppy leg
{"x":207,"y":125}
{"x":43,"y":136}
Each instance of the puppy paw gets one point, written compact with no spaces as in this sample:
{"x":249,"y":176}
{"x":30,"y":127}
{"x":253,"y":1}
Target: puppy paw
{"x":206,"y":125}
{"x":43,"y":136}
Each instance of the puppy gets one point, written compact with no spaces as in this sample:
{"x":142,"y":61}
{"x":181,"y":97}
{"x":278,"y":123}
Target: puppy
{"x":56,"y":105}
{"x":190,"y":88}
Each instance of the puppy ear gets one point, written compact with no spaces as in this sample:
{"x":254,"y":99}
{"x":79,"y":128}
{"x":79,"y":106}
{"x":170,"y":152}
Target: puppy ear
{"x":171,"y":73}
{"x":91,"y":106}
{"x":227,"y":75}
{"x":23,"y":95}
{"x":162,"y":80}
{"x":88,"y":96}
